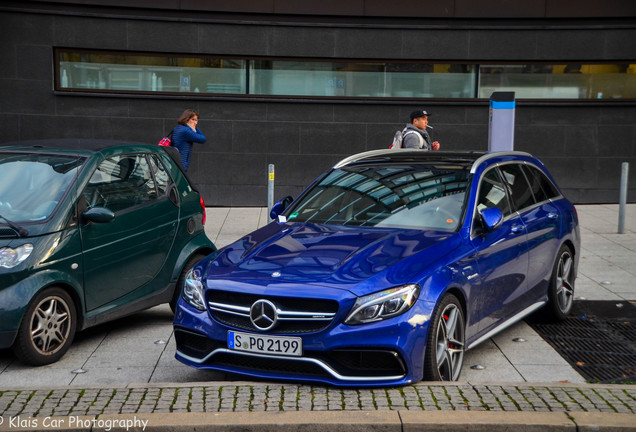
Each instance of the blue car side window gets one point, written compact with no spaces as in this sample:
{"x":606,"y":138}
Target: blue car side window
{"x":492,"y":193}
{"x":518,"y":187}
{"x":542,"y":187}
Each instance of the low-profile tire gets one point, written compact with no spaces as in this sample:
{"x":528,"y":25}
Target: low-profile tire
{"x":561,"y":289}
{"x":47,"y":329}
{"x":446,"y":339}
{"x":178,"y":289}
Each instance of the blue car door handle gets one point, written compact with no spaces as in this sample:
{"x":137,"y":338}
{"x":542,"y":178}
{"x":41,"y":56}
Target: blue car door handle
{"x":553,"y":215}
{"x":516,"y":229}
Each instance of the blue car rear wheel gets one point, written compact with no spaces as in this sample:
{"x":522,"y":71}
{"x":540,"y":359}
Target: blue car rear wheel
{"x":561,"y":291}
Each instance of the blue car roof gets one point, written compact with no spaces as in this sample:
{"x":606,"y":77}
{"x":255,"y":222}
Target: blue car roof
{"x":468,"y":158}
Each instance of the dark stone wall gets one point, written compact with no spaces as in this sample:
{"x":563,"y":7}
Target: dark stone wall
{"x":583,"y":144}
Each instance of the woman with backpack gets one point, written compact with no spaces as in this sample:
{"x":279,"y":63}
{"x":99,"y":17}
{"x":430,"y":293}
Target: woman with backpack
{"x":185,"y":134}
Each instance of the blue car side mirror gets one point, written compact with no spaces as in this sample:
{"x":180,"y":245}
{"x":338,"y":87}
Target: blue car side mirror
{"x":280,"y":207}
{"x":492,"y":218}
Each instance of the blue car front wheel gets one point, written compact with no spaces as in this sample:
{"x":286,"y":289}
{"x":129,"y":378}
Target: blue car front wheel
{"x":446,"y":342}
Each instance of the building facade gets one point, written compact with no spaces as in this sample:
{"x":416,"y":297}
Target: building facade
{"x":302,"y":85}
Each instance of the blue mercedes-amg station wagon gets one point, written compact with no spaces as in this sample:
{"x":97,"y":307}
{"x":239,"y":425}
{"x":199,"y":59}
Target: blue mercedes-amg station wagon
{"x":384,"y":271}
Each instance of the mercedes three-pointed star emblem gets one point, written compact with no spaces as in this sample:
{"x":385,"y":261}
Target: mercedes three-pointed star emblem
{"x":263,"y":314}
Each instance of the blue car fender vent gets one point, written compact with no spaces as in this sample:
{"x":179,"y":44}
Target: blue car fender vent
{"x":365,"y":363}
{"x":195,"y":345}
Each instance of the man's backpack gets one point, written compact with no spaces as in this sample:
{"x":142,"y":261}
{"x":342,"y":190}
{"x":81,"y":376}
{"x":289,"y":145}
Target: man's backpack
{"x":398,"y":138}
{"x":166,"y":141}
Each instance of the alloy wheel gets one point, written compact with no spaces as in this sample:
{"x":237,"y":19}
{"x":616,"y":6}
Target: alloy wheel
{"x":450,"y":343}
{"x":564,"y":286}
{"x":50,"y":325}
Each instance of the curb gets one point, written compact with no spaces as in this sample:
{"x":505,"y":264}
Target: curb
{"x":327,"y":421}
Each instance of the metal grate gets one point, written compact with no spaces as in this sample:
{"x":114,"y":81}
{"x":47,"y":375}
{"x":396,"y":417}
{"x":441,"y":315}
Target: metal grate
{"x":598,"y":340}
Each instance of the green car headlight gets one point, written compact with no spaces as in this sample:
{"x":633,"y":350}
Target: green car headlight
{"x":193,"y":290}
{"x":382,"y":305}
{"x":11,"y":257}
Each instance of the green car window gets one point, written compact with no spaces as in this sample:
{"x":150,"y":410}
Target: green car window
{"x":160,"y":174}
{"x":121,"y":182}
{"x":32,"y":185}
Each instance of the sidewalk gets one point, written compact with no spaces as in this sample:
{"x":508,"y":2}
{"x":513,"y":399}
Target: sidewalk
{"x":125,"y":376}
{"x":246,"y":405}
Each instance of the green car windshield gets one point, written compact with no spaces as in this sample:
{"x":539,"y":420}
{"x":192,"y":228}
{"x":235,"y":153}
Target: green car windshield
{"x":32,"y":185}
{"x":420,"y":196}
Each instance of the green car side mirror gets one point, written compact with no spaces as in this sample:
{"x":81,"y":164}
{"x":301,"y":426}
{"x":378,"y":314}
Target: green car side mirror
{"x":98,"y":215}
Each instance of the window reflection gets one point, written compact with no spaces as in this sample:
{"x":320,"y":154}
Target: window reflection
{"x":562,"y":81}
{"x":148,"y":73}
{"x":82,"y":70}
{"x":362,"y":79}
{"x":414,"y":196}
{"x":33,"y":184}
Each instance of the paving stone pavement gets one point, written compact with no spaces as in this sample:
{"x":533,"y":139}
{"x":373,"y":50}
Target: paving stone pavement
{"x":606,"y":272}
{"x":254,"y":397}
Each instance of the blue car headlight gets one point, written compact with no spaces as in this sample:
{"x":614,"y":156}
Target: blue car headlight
{"x":193,"y":289}
{"x":382,"y":305}
{"x":10,"y":257}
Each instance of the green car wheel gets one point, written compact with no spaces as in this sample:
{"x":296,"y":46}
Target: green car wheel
{"x":47,"y":329}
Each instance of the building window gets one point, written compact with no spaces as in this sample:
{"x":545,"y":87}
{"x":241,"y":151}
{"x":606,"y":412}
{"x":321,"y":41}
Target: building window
{"x":361,"y":79}
{"x":145,"y":73}
{"x":139,"y":73}
{"x":563,"y":81}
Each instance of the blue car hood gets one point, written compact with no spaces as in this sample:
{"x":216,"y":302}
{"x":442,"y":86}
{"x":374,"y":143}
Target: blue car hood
{"x":358,"y":259}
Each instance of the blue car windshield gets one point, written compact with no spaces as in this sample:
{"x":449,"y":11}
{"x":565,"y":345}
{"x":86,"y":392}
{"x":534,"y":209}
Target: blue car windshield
{"x":421,"y":196}
{"x":32,"y":185}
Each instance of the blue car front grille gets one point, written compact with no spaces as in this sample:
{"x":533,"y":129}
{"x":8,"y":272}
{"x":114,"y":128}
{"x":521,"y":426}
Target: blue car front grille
{"x":296,"y":315}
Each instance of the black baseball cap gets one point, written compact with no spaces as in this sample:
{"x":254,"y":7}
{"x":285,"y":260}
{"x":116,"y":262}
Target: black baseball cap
{"x":419,"y":113}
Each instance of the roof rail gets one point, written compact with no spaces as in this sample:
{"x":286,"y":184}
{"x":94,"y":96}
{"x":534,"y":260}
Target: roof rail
{"x":495,"y":154}
{"x":363,"y":155}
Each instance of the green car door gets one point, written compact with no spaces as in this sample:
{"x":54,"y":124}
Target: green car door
{"x":122,"y":256}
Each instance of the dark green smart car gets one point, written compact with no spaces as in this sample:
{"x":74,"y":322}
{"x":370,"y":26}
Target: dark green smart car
{"x":90,"y":231}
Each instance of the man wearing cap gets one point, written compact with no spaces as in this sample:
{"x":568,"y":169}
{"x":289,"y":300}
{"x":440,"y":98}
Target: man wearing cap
{"x":415,"y":135}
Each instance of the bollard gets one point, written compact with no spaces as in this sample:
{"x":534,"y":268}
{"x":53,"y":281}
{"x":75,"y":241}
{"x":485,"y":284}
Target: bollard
{"x":623,"y":197}
{"x":270,"y":188}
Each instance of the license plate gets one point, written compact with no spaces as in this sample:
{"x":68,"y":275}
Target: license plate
{"x":275,"y":345}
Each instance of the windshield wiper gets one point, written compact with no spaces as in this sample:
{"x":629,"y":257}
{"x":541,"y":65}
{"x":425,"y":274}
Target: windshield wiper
{"x":17,"y":228}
